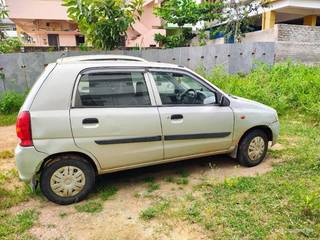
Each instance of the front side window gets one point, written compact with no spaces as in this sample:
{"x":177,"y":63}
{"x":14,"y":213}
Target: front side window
{"x":112,"y":89}
{"x":177,"y":88}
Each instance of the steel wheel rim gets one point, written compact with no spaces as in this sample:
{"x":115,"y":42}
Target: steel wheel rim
{"x":67,"y":181}
{"x":256,"y":148}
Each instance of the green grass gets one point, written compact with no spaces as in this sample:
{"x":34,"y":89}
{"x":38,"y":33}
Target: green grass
{"x":151,"y":184}
{"x":6,"y":154}
{"x":11,"y":192}
{"x":8,"y":119}
{"x":286,"y":86}
{"x":107,"y":192}
{"x":153,"y":187}
{"x":154,"y":210}
{"x":63,"y":214}
{"x":15,"y":227}
{"x":169,"y":179}
{"x":182,"y":181}
{"x":90,"y":206}
{"x":281,"y":204}
{"x":183,"y":173}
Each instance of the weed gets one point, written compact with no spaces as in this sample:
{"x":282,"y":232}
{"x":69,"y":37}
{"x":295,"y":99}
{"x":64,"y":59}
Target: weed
{"x":63,"y":214}
{"x":11,"y":191}
{"x":182,"y":181}
{"x":148,"y":179}
{"x":107,"y":192}
{"x":91,"y":206}
{"x":153,"y":187}
{"x":8,"y":119}
{"x":169,"y":179}
{"x":137,"y":194}
{"x":156,"y":209}
{"x":281,"y":204}
{"x":13,"y":226}
{"x":286,"y":86}
{"x":6,"y":154}
{"x":311,"y":204}
{"x":183,"y":173}
{"x":10,"y":102}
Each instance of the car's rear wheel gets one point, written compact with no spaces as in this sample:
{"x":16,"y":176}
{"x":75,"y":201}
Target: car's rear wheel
{"x":67,"y":179}
{"x":253,"y":148}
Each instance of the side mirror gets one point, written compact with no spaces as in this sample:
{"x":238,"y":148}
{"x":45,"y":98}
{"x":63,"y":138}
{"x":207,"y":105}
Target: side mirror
{"x":210,"y":100}
{"x":224,"y":102}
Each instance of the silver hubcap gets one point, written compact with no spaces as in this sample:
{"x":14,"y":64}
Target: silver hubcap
{"x":256,"y":148}
{"x":67,"y":181}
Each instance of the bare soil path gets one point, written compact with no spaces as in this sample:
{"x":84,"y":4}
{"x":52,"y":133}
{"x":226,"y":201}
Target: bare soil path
{"x":119,"y":218}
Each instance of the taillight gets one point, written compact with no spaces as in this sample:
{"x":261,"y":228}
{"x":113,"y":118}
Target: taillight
{"x":23,"y":128}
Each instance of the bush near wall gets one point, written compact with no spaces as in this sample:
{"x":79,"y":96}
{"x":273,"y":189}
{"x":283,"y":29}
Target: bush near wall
{"x":10,"y":45}
{"x":287,"y":87}
{"x":10,"y":102}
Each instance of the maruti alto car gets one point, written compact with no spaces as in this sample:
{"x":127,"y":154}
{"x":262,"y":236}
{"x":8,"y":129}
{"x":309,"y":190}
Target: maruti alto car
{"x":90,"y":115}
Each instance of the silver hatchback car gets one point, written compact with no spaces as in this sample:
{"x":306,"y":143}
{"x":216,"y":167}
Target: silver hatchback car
{"x":91,"y":115}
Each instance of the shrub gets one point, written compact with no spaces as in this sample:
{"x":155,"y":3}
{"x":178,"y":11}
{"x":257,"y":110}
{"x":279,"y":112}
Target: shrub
{"x":285,"y":86}
{"x":91,"y":206}
{"x":11,"y":102}
{"x":10,"y":45}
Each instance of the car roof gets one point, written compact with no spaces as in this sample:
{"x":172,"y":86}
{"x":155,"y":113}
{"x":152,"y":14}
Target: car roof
{"x":88,"y":61}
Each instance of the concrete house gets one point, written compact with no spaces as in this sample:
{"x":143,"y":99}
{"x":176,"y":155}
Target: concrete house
{"x":285,"y":20}
{"x":43,"y":23}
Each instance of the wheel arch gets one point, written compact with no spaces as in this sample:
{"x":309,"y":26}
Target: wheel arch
{"x":49,"y":159}
{"x":264,"y":128}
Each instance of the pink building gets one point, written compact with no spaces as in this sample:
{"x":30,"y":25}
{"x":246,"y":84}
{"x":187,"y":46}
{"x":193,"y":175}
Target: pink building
{"x":143,"y":31}
{"x":45,"y":23}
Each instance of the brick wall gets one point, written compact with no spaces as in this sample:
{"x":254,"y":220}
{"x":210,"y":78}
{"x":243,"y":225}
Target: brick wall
{"x":297,"y":33}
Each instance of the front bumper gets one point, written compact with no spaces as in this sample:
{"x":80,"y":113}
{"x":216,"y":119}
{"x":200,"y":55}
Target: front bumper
{"x":28,"y":161}
{"x":275,"y":128}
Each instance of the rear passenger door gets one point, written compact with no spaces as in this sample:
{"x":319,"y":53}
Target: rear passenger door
{"x":114,"y":117}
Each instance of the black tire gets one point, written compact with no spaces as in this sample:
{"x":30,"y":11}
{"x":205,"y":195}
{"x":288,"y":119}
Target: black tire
{"x":243,"y":150}
{"x":64,"y":161}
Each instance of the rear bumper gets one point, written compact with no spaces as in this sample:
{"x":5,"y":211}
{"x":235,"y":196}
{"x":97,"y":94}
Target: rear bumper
{"x":28,"y":161}
{"x":275,"y":128}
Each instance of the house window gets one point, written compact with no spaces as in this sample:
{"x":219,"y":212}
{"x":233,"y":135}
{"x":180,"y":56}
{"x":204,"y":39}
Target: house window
{"x":79,"y":39}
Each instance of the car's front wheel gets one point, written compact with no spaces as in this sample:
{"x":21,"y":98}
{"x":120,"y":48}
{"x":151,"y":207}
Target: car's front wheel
{"x":253,"y":148}
{"x":67,"y":179}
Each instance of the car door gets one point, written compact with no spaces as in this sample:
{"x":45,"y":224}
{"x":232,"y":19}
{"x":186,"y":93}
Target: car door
{"x":115,"y":118}
{"x":192,"y":121}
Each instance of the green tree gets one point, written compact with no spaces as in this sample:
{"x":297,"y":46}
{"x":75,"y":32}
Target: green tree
{"x":3,"y":14}
{"x":182,"y":12}
{"x":238,"y":17}
{"x":104,"y":22}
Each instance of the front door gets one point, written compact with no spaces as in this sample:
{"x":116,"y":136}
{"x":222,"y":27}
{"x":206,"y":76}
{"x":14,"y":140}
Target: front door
{"x":115,"y":118}
{"x":192,"y":121}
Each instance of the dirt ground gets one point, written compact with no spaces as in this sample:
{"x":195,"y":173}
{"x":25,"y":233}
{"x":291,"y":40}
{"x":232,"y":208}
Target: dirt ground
{"x":119,"y":218}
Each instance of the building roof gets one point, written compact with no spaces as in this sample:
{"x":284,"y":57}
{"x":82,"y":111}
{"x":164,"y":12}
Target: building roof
{"x":37,"y":9}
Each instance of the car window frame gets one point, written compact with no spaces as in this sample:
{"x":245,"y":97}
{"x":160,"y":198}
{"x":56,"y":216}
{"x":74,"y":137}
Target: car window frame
{"x":180,"y":71}
{"x":114,"y":70}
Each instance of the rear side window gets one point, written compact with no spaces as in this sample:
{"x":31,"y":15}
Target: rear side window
{"x":118,"y":89}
